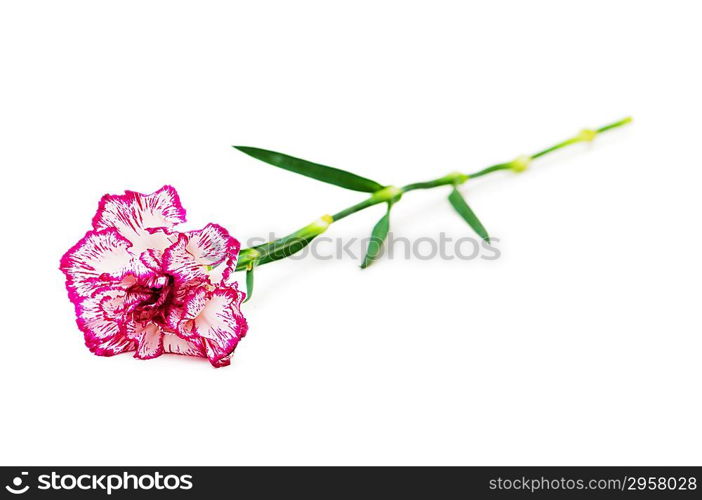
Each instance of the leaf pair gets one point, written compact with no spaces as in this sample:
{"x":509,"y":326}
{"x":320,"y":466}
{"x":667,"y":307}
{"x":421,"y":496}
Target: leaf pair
{"x":322,"y":173}
{"x":381,"y":229}
{"x":329,"y":175}
{"x":351,"y":181}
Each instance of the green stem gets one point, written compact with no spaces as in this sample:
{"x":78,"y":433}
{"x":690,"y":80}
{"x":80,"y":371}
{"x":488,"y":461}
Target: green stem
{"x":262,"y":254}
{"x":354,"y":208}
{"x":620,"y":123}
{"x":441,"y":181}
{"x":494,"y":168}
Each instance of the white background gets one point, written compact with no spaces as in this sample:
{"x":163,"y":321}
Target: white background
{"x":580,"y":345}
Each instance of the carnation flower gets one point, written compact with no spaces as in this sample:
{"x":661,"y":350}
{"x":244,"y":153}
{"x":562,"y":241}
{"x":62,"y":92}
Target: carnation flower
{"x":139,"y":285}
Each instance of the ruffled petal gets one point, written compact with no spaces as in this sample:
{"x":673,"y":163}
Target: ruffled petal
{"x":195,"y":302}
{"x":214,"y":249}
{"x":112,"y":346}
{"x":154,"y":241}
{"x":97,"y":259}
{"x":176,"y":345}
{"x":208,"y":254}
{"x":181,"y":264}
{"x":94,"y":322}
{"x":132,"y":214}
{"x":173,"y":321}
{"x":152,"y":260}
{"x":149,"y":339}
{"x":216,"y":318}
{"x":99,"y":319}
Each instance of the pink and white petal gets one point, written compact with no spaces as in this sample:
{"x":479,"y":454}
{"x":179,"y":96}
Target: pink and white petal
{"x":206,"y":254}
{"x":220,"y":362}
{"x":116,"y":305}
{"x":102,"y":332}
{"x":173,"y":316}
{"x":149,"y":338}
{"x":141,"y":271}
{"x":124,"y":315}
{"x":116,"y":284}
{"x":212,"y":245}
{"x":182,"y":265}
{"x":213,"y":248}
{"x":153,"y":246}
{"x":152,"y":260}
{"x":98,"y":258}
{"x":181,"y":316}
{"x":220,"y":323}
{"x":112,"y":346}
{"x":156,"y":240}
{"x":132,"y":213}
{"x":195,"y":302}
{"x":181,"y":294}
{"x":92,"y":320}
{"x":189,"y":347}
{"x":220,"y":274}
{"x":174,"y":322}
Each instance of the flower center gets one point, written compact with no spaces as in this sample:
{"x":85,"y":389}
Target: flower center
{"x":155,"y":299}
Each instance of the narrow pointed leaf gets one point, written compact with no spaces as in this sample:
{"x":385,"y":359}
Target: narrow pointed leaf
{"x":249,"y":284}
{"x":460,"y":205}
{"x":277,"y":252}
{"x":272,"y":251}
{"x":322,"y":173}
{"x":378,"y":236}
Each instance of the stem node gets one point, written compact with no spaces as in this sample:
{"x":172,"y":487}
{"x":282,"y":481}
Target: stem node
{"x":388,"y":193}
{"x":586,"y":135}
{"x":520,"y":163}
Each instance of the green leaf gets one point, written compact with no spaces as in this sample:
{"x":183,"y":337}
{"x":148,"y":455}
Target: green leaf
{"x":281,"y":251}
{"x":272,"y":251}
{"x":322,"y":173}
{"x":468,"y":215}
{"x":378,"y":236}
{"x":249,"y":284}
